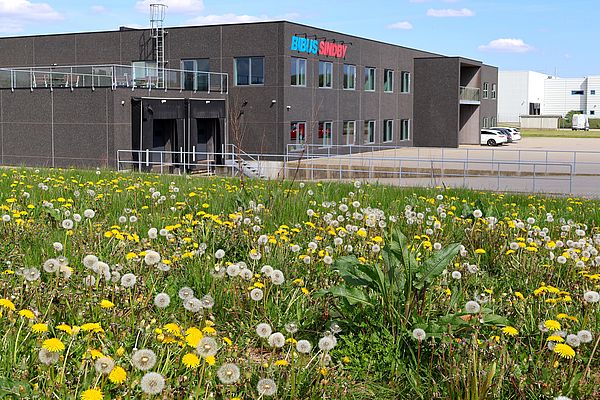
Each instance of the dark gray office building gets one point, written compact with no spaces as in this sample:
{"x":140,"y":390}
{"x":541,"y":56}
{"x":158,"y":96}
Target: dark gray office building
{"x":75,"y":99}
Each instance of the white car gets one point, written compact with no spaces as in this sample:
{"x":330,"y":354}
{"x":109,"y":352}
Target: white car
{"x":492,"y":138}
{"x":514,"y":132}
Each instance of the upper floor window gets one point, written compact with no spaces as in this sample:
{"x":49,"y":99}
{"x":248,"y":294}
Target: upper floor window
{"x":249,"y":71}
{"x":592,"y":92}
{"x":349,"y":77}
{"x":405,"y":129}
{"x":298,"y":72}
{"x":388,"y":130}
{"x":577,"y":92}
{"x":325,"y":74}
{"x":494,"y":91}
{"x":405,"y":84}
{"x":195,"y":74}
{"x":486,"y":89}
{"x":388,"y":81}
{"x":369,"y":79}
{"x":144,"y":72}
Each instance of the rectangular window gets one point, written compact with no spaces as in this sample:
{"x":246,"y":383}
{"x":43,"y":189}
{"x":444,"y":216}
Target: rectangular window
{"x":369,"y":79}
{"x":592,"y":112}
{"x":388,"y":81}
{"x":249,"y":71}
{"x":388,"y":130}
{"x":577,"y":92}
{"x":493,"y":121}
{"x":195,"y":74}
{"x":369,"y":131}
{"x":325,"y":74}
{"x":298,"y":72}
{"x":349,"y":131}
{"x":493,"y":91}
{"x":144,"y":73}
{"x":405,"y":129}
{"x":486,"y":88}
{"x":298,"y":134}
{"x":486,"y":122}
{"x":592,"y":92}
{"x":405,"y":86}
{"x":325,"y":132}
{"x":349,"y":77}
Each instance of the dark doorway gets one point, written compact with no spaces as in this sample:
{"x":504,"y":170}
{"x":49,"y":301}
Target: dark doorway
{"x":164,"y":139}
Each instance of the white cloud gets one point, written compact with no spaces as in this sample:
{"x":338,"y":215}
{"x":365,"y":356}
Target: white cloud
{"x":449,"y":12}
{"x":174,"y":6}
{"x":507,"y":46}
{"x":15,"y":14}
{"x":232,"y":18}
{"x":401,"y":25}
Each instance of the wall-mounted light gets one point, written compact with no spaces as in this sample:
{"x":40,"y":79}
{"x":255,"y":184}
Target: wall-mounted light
{"x":207,"y":101}
{"x":273,"y":101}
{"x":123,"y":102}
{"x":288,"y":107}
{"x":163,"y":101}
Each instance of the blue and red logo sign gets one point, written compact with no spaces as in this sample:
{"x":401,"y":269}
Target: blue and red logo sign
{"x":320,"y":47}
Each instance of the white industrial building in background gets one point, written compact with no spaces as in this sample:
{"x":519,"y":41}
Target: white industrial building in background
{"x":527,"y":93}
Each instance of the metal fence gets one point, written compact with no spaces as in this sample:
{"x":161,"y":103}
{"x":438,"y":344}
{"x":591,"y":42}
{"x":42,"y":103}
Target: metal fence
{"x":499,"y":175}
{"x":113,"y":76}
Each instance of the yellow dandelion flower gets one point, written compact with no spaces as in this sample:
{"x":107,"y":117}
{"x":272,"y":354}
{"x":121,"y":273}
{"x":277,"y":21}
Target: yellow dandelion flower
{"x":54,"y":345}
{"x":65,"y":328}
{"x":95,"y":354}
{"x":173,"y":329}
{"x":117,"y":375}
{"x":377,"y":239}
{"x":362,"y":233}
{"x":227,"y":340}
{"x":208,"y":330}
{"x":120,"y":351}
{"x":106,"y":304}
{"x":519,"y":295}
{"x":39,"y":328}
{"x":281,"y":363}
{"x":92,"y":394}
{"x":479,"y":251}
{"x":564,"y":350}
{"x":92,"y":327}
{"x":562,"y":316}
{"x":193,"y":336}
{"x":27,"y":314}
{"x":305,"y":291}
{"x":552,"y":325}
{"x":190,"y":360}
{"x":211,"y":360}
{"x":324,"y":371}
{"x":555,"y":338}
{"x":131,"y":256}
{"x":6,"y":303}
{"x":510,"y":331}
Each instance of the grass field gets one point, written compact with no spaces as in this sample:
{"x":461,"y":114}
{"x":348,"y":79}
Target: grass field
{"x":560,"y":133}
{"x":122,"y":286}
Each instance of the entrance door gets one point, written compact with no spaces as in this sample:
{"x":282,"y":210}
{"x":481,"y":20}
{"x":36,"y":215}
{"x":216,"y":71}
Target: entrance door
{"x":164,"y":139}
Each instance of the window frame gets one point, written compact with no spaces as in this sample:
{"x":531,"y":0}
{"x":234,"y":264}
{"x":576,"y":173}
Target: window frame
{"x":577,"y":92}
{"x":345,"y":132}
{"x":297,"y":61}
{"x":299,"y":144}
{"x":387,"y":75}
{"x":592,"y":92}
{"x":321,"y":133}
{"x":486,"y":123}
{"x":388,"y":124}
{"x":198,"y":83}
{"x":323,"y":83}
{"x":250,"y":75}
{"x":367,"y":76}
{"x":486,"y":89}
{"x":345,"y":75}
{"x":370,"y":134}
{"x":494,"y":90}
{"x":405,"y":82}
{"x":404,"y":129}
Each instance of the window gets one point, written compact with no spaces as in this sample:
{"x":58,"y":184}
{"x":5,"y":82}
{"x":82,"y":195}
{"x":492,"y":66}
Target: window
{"x":325,"y":132}
{"x":298,"y":72}
{"x":369,"y":131}
{"x":493,"y":121}
{"x":249,"y":71}
{"x":349,"y":131}
{"x":405,"y":85}
{"x":195,"y":75}
{"x":298,"y":134}
{"x":388,"y":81}
{"x":388,"y":130}
{"x":349,"y":77}
{"x":486,"y":122}
{"x":144,"y":72}
{"x":592,"y":92}
{"x":577,"y":92}
{"x":486,"y":87}
{"x":534,"y":109}
{"x":494,"y":91}
{"x":592,"y":112}
{"x":369,"y":79}
{"x":325,"y":74}
{"x":405,"y":129}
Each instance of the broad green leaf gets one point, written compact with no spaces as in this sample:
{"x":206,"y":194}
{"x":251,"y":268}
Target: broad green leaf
{"x":435,"y":265}
{"x":352,"y":294}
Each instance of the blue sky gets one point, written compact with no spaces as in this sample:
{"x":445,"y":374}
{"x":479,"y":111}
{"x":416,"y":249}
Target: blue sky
{"x":546,"y":36}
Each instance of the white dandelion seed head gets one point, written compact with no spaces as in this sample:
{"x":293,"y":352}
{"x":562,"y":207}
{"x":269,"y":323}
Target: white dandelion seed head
{"x":276,"y":340}
{"x":419,"y":334}
{"x":128,"y":280}
{"x":185,"y":293}
{"x":477,"y":214}
{"x":219,"y":254}
{"x":277,"y":277}
{"x":267,"y":270}
{"x":90,"y":261}
{"x":57,"y":246}
{"x":256,"y":294}
{"x":266,"y":387}
{"x":291,"y":327}
{"x":89,"y":280}
{"x":104,"y":365}
{"x":67,"y":224}
{"x":263,"y":330}
{"x":472,"y":307}
{"x":585,"y":336}
{"x":573,"y":340}
{"x":152,"y":257}
{"x":303,"y":346}
{"x":152,"y":233}
{"x":162,"y":300}
{"x":456,"y":275}
{"x":47,"y":357}
{"x":327,"y":343}
{"x":228,"y":373}
{"x":152,"y":383}
{"x":143,"y":359}
{"x":207,"y":347}
{"x":51,"y":265}
{"x":193,"y":305}
{"x":233,"y":270}
{"x":246,"y":274}
{"x":207,"y":301}
{"x":89,"y":213}
{"x":591,"y":296}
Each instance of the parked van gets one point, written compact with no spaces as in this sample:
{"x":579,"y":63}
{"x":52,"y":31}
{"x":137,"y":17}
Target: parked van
{"x":580,"y":122}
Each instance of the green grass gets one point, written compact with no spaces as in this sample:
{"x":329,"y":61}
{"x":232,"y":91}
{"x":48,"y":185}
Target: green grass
{"x":370,"y":296}
{"x":560,"y":133}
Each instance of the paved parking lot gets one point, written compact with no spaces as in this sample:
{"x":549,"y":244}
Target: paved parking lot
{"x":540,"y":143}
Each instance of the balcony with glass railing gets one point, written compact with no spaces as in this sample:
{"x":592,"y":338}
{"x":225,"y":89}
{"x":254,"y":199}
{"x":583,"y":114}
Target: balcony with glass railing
{"x":469,"y":95}
{"x":112,"y":76}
